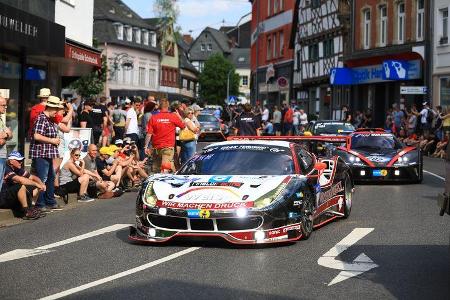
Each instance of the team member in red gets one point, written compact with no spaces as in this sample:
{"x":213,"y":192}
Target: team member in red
{"x":161,"y":131}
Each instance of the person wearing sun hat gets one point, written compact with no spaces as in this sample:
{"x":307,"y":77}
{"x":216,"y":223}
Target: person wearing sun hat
{"x":43,"y":149}
{"x":18,"y":184}
{"x":44,"y":93}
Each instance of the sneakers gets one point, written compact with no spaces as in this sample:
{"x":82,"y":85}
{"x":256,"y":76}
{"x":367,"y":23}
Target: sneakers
{"x":55,"y":207}
{"x":32,"y":214}
{"x":85,"y":198}
{"x":118,"y":192}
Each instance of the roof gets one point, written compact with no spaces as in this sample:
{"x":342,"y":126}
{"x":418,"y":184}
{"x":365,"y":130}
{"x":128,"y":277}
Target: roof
{"x":117,"y":11}
{"x":240,"y":57}
{"x":219,"y":41}
{"x":185,"y":63}
{"x":251,"y":142}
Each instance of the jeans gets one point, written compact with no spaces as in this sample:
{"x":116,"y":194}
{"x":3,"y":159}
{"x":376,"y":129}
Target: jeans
{"x":187,"y":150}
{"x":2,"y":171}
{"x":44,"y":170}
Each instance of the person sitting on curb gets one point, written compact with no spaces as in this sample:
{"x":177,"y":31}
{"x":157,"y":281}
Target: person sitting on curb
{"x":18,"y":186}
{"x":108,"y":167}
{"x":75,"y":168}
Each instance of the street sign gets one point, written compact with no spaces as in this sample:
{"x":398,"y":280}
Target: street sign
{"x":232,"y":100}
{"x":413,"y":90}
{"x":282,"y":81}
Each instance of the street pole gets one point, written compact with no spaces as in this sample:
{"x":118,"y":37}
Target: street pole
{"x":228,"y":85}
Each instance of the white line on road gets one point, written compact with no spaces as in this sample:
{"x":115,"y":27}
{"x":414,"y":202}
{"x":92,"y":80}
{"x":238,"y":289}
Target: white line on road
{"x":359,"y":265}
{"x":22,"y":253}
{"x":435,"y":175}
{"x":120,"y":275}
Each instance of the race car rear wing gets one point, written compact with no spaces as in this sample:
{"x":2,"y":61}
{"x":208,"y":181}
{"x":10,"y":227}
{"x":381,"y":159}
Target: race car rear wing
{"x":315,"y":144}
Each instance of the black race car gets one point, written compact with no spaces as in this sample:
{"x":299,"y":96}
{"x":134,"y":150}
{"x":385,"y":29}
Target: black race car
{"x":329,"y":128}
{"x":211,"y":128}
{"x":377,"y":155}
{"x":246,"y":192}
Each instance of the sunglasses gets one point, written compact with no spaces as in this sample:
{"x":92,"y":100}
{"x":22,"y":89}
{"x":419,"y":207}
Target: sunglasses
{"x":76,"y":155}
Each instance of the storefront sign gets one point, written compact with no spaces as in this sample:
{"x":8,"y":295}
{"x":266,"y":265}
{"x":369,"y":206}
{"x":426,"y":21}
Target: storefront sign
{"x":21,"y":29}
{"x":282,"y":82}
{"x":82,"y":55}
{"x":388,"y":71}
{"x":413,"y":90}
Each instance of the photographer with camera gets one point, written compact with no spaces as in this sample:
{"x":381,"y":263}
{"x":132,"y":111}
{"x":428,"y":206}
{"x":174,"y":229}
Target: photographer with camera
{"x":135,"y":169}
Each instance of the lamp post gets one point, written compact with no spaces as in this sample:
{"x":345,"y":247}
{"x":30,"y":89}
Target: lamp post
{"x":121,"y":60}
{"x":228,"y":85}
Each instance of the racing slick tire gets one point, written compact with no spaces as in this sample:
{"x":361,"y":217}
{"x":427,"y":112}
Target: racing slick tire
{"x":307,"y":222}
{"x":348,"y":195}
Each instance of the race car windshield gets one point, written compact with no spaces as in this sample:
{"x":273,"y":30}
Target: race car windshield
{"x":239,"y":162}
{"x":333,"y":128}
{"x":361,"y":141}
{"x":207,"y":118}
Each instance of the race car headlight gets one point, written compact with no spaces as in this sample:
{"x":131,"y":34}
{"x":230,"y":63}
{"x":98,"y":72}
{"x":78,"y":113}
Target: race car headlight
{"x":150,"y":196}
{"x":410,"y":158}
{"x":353,"y":158}
{"x":270,"y":197}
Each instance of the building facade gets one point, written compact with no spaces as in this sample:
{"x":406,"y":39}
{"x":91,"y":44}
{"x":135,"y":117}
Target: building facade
{"x":130,"y":48}
{"x":390,"y":54}
{"x":441,"y":53}
{"x":271,"y":58}
{"x":320,"y":35}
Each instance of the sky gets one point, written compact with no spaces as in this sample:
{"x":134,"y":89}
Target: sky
{"x":195,"y":15}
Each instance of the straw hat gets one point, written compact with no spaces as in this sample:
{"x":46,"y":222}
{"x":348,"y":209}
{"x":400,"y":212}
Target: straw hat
{"x":44,"y":93}
{"x":54,"y":102}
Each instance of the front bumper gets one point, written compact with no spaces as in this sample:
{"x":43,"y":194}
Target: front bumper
{"x":256,"y":228}
{"x":388,"y":174}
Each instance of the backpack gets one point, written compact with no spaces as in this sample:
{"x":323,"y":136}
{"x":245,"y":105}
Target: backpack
{"x":430,"y":116}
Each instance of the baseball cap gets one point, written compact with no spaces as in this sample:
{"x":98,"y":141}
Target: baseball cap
{"x":127,"y":140}
{"x":118,"y":142}
{"x":16,"y":155}
{"x":425,"y":103}
{"x":127,"y":101}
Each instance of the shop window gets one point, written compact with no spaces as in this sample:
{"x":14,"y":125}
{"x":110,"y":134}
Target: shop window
{"x":444,"y":29}
{"x":401,"y":23}
{"x":420,"y":20}
{"x":383,"y":25}
{"x":366,"y":29}
{"x":118,"y":27}
{"x":445,"y":91}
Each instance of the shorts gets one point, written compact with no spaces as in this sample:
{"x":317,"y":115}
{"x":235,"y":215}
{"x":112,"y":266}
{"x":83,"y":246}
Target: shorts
{"x":71,"y":187}
{"x":9,"y":199}
{"x":160,"y":155}
{"x":277,"y":126}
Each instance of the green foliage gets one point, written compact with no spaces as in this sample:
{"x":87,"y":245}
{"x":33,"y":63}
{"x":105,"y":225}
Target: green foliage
{"x":92,"y":84}
{"x":213,"y":80}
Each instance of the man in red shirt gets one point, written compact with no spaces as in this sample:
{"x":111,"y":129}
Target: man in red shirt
{"x":161,"y":131}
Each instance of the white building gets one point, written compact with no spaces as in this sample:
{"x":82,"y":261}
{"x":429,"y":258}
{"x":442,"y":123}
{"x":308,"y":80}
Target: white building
{"x":441,"y":53}
{"x":78,"y":18}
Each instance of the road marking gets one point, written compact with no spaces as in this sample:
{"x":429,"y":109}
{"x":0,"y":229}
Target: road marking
{"x":435,"y":175}
{"x":359,"y":265}
{"x":120,"y":275}
{"x":22,"y":253}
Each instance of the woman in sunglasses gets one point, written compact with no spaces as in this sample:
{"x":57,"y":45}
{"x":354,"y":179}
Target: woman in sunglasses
{"x":73,"y":178}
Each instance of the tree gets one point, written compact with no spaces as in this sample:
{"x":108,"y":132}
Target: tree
{"x":93,"y":83}
{"x":167,"y":11}
{"x":213,"y":80}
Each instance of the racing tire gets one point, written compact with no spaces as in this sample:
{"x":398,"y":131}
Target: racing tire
{"x":307,"y":222}
{"x":348,"y":194}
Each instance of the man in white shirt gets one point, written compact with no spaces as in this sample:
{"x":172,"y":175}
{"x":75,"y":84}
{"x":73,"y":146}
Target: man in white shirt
{"x":131,"y":124}
{"x":265,"y":114}
{"x":303,"y":119}
{"x":424,"y":124}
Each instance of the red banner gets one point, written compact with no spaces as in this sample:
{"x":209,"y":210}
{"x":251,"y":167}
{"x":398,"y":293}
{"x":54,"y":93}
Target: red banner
{"x":83,"y":55}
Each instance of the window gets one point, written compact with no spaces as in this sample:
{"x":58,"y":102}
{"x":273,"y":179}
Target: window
{"x":328,"y":48}
{"x":366,"y":29}
{"x":383,"y":25}
{"x":244,"y":80}
{"x":281,"y":43}
{"x":275,"y":6}
{"x":185,"y":83}
{"x":145,"y":37}
{"x":420,"y":20}
{"x":315,"y":3}
{"x":274,"y":43}
{"x":152,"y":78}
{"x":298,"y":60}
{"x":445,"y":91}
{"x":128,"y":34}
{"x":119,"y":30}
{"x":280,"y":5}
{"x":269,"y":48}
{"x":202,"y":47}
{"x":141,"y":76}
{"x":269,"y":6}
{"x":401,"y":22}
{"x":444,"y":29}
{"x":170,"y":48}
{"x":153,"y":38}
{"x":313,"y":52}
{"x":137,"y":35}
{"x":209,"y":47}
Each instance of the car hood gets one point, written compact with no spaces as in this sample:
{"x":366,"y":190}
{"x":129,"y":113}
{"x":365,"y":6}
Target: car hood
{"x":380,"y":156}
{"x":242,"y":189}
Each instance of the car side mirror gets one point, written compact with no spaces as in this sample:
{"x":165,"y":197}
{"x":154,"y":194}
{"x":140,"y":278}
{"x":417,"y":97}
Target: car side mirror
{"x":320,"y":166}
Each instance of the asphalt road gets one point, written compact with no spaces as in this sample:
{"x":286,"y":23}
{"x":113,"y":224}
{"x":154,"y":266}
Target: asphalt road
{"x":409,"y":244}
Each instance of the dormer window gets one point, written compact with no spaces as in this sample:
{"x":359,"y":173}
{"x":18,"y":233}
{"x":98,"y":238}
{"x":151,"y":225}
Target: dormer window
{"x":137,"y":35}
{"x":128,"y":33}
{"x":145,"y":36}
{"x":153,"y":38}
{"x":119,"y":30}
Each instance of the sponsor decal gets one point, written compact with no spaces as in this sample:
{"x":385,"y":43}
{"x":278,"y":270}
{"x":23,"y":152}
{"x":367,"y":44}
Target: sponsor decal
{"x":204,"y":213}
{"x":378,"y":159}
{"x":283,"y":230}
{"x":327,"y":195}
{"x":379,"y":173}
{"x":219,"y":179}
{"x":199,"y":206}
{"x":373,"y":134}
{"x":193,"y":213}
{"x":207,"y":194}
{"x":232,"y":184}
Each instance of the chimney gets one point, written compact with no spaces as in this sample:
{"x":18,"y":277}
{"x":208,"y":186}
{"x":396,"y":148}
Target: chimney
{"x":188,"y":39}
